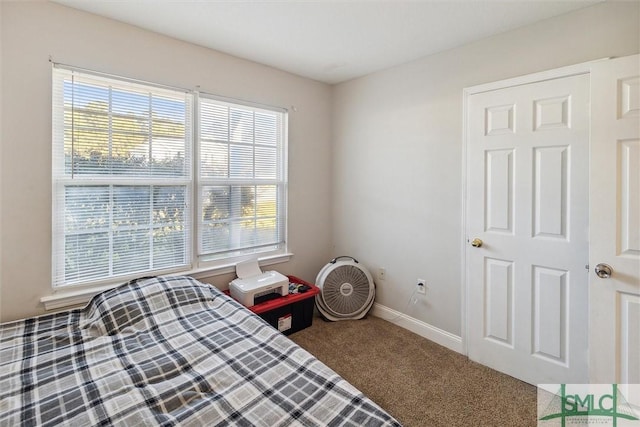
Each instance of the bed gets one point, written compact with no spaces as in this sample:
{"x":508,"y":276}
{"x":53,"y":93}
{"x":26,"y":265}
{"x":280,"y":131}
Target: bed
{"x":168,"y":351}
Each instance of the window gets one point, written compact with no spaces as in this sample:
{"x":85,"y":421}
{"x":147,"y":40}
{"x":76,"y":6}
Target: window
{"x":137,"y":191}
{"x":242,"y":183}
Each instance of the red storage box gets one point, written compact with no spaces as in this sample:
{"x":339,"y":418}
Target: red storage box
{"x":290,"y":313}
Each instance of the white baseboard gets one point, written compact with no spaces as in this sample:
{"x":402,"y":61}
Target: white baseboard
{"x":430,"y":332}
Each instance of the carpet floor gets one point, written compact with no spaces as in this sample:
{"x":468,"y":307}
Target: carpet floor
{"x":420,"y":383}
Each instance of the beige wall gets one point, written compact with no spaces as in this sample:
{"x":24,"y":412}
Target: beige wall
{"x":33,"y":31}
{"x":397,"y":162}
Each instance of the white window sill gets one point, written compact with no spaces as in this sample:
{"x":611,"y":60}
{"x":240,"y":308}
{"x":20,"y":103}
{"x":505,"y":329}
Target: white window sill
{"x":69,"y":298}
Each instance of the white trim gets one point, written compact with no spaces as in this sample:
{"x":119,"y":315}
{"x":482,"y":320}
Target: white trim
{"x":99,"y":74}
{"x":425,"y":330}
{"x":465,"y":234}
{"x":570,"y":70}
{"x":230,"y":102}
{"x":70,"y":298}
{"x":231,"y":267}
{"x":557,"y":73}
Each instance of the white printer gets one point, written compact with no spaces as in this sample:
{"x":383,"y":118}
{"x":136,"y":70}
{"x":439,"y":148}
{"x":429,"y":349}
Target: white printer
{"x":252,"y":283}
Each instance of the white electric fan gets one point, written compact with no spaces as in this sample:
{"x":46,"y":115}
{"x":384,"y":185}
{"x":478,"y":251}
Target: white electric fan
{"x":347,"y":290}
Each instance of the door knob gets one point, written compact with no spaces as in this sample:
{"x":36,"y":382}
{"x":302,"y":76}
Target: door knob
{"x":476,"y":243}
{"x":604,"y":271}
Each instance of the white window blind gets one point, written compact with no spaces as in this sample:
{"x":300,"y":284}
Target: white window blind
{"x":122,"y":178}
{"x":126,"y":168}
{"x":242,"y":182}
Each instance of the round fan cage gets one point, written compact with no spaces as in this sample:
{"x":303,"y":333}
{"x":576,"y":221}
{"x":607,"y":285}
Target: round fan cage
{"x":347,"y":290}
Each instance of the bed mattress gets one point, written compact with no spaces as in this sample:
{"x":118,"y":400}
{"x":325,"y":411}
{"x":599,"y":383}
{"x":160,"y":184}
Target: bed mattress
{"x":168,"y":351}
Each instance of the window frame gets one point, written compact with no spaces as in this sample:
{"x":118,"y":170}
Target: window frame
{"x":195,"y":265}
{"x":208,"y":261}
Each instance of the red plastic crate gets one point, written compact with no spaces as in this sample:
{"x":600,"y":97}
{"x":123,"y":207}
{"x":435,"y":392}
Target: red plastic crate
{"x":286,"y":300}
{"x":290,"y":313}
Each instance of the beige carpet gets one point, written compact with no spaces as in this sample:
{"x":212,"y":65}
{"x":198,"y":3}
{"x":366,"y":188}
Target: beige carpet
{"x":417,"y":381}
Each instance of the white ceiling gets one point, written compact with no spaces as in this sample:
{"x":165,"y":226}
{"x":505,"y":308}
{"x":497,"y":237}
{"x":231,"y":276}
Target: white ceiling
{"x":329,"y":40}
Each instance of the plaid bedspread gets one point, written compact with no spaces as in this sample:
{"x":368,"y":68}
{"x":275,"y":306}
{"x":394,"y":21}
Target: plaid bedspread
{"x":168,"y":351}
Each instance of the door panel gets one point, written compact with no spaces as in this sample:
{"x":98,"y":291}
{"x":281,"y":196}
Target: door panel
{"x":629,"y":179}
{"x":615,"y":223}
{"x":499,"y":183}
{"x":629,"y":339}
{"x":550,"y":314}
{"x":527,"y":201}
{"x":550,"y":191}
{"x":499,"y":301}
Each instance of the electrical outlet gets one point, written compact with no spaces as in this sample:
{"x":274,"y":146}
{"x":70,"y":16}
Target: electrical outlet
{"x":421,"y":287}
{"x":382,"y":273}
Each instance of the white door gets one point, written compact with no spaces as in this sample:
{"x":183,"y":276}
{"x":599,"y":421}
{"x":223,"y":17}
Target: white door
{"x":527,"y":201}
{"x":615,"y":222}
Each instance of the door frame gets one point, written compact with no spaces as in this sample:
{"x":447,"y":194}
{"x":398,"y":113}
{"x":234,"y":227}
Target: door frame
{"x":557,"y":73}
